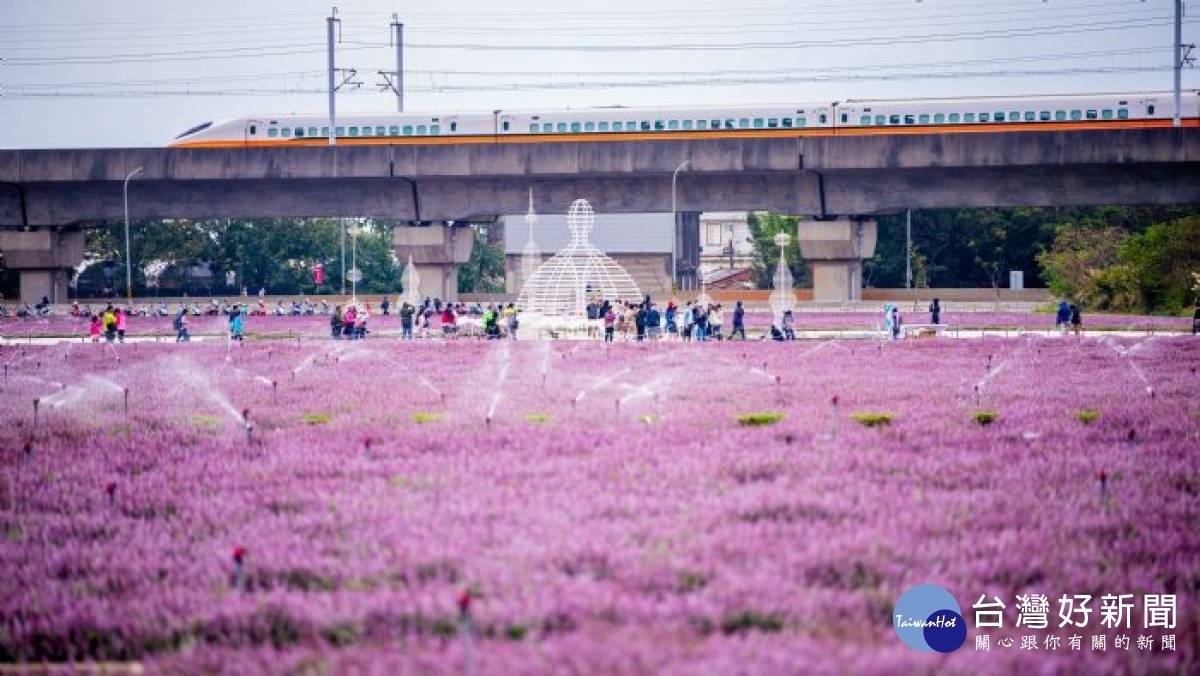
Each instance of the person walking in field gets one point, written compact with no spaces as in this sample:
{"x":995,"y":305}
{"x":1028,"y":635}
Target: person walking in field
{"x":739,"y":321}
{"x":1063,"y":317}
{"x":110,"y":325}
{"x":95,"y":328}
{"x":1076,"y":321}
{"x":121,"y":319}
{"x":236,"y":325}
{"x":935,"y":312}
{"x":181,"y":330}
{"x":406,"y":320}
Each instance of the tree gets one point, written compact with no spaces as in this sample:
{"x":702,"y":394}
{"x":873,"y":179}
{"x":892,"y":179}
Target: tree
{"x":484,"y":271}
{"x":1161,"y":263}
{"x":1074,"y":264}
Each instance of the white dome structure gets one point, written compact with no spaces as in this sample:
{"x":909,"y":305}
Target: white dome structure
{"x":579,"y":273}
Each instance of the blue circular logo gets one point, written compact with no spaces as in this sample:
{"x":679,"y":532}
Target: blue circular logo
{"x":928,"y":618}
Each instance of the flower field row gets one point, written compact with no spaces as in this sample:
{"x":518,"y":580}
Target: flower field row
{"x":311,"y":507}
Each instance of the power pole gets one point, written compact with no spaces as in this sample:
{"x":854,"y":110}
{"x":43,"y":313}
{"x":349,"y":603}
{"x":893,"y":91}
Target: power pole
{"x":329,"y":22}
{"x":1183,"y":57}
{"x":394,"y":79}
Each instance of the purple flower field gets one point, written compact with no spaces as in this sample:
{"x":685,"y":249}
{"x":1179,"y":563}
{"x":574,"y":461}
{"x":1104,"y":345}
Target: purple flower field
{"x":323,"y":507}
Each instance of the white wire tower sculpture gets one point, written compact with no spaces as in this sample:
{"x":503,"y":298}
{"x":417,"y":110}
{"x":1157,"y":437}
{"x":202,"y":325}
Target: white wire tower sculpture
{"x":783,"y":296}
{"x":411,"y":281}
{"x":531,"y":254}
{"x":563,"y":285}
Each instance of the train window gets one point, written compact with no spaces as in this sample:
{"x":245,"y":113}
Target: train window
{"x":1150,"y":109}
{"x":272,"y":132}
{"x":984,"y":117}
{"x":953,"y":118}
{"x":312,"y":131}
{"x":589,"y":126}
{"x":453,"y":126}
{"x":325,"y":132}
{"x":341,"y":131}
{"x":645,"y":125}
{"x":1076,"y":115}
{"x":939,"y":118}
{"x":354,"y":131}
{"x":408,"y":130}
{"x":758,"y":123}
{"x":658,"y":125}
{"x":824,"y":118}
{"x":366,"y":131}
{"x":702,"y":124}
{"x":575,"y":127}
{"x":1091,"y":115}
{"x":1106,"y":114}
{"x":673,"y":124}
{"x":729,"y":124}
{"x":1030,"y":116}
{"x":420,"y":130}
{"x":286,"y":132}
{"x":865,"y":121}
{"x":801,"y":121}
{"x":968,"y":117}
{"x":772,"y":123}
{"x":547,"y":127}
{"x":1044,"y":116}
{"x":744,"y":123}
{"x":1122,"y":113}
{"x":381,"y":131}
{"x":893,"y":119}
{"x":506,"y":125}
{"x":881,"y":120}
{"x":435,"y":129}
{"x":562,"y":127}
{"x":909,"y":119}
{"x":533,"y":127}
{"x":998,"y":117}
{"x":787,"y":121}
{"x":687,"y":124}
{"x":1060,"y":115}
{"x":845,"y":118}
{"x":603,"y":126}
{"x":299,"y":132}
{"x":393,"y":131}
{"x":253,"y":130}
{"x":924,"y":118}
{"x":616,"y":126}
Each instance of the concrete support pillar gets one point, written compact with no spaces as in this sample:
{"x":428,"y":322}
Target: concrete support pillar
{"x":834,"y":251}
{"x":437,"y":251}
{"x":45,"y":260}
{"x":687,"y":248}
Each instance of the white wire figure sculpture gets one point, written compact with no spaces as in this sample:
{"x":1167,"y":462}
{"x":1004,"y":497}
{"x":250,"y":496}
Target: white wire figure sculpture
{"x":579,"y":273}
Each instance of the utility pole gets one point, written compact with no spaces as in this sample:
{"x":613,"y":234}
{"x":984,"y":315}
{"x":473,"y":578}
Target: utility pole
{"x":329,"y":22}
{"x":394,"y":79}
{"x":1182,"y":57}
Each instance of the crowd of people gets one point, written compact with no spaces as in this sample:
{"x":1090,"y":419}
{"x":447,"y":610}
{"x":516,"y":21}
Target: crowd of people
{"x":619,"y":320}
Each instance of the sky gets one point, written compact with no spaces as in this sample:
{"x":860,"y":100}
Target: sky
{"x":136,"y":73}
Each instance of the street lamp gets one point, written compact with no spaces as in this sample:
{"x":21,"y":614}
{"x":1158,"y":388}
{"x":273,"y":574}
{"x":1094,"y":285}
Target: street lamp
{"x":675,"y":227}
{"x":128,"y":257}
{"x":355,"y":274}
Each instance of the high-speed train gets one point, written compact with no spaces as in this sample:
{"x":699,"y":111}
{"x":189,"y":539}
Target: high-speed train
{"x":852,"y":117}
